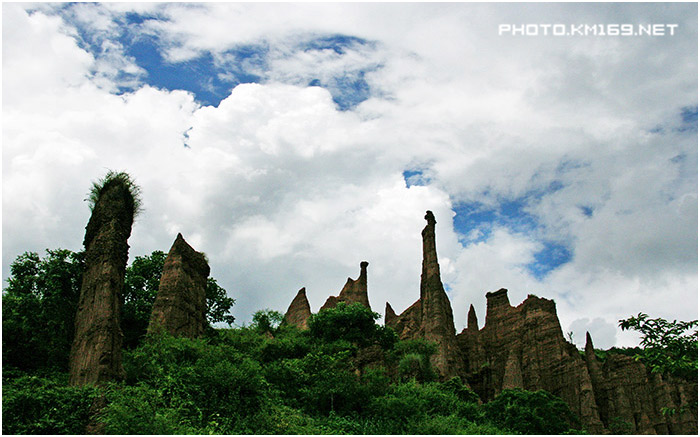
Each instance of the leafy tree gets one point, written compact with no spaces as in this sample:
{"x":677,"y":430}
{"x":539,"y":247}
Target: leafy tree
{"x":218,"y":304}
{"x":667,"y":347}
{"x":267,"y":320}
{"x":41,"y":299}
{"x":414,"y":359}
{"x":353,"y":323}
{"x":141,"y":283}
{"x":38,"y":308}
{"x":527,"y":412}
{"x":464,"y":393}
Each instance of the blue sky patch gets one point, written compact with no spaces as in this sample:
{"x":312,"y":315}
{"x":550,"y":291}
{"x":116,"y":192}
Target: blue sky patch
{"x":689,"y":119}
{"x":586,"y":210}
{"x":549,"y":258}
{"x":211,"y":77}
{"x":209,"y":82}
{"x":474,"y":222}
{"x":338,"y":43}
{"x":476,"y":216}
{"x":415,"y":177}
{"x":351,"y":88}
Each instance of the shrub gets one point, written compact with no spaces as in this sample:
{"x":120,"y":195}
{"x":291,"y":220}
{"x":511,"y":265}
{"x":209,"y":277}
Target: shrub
{"x":289,"y":343}
{"x":619,"y":426}
{"x":34,"y":405}
{"x":464,"y":393}
{"x":412,"y":399}
{"x":452,"y":424}
{"x":527,"y":412}
{"x":195,"y":383}
{"x":414,"y":359}
{"x":142,"y":409}
{"x":353,"y":323}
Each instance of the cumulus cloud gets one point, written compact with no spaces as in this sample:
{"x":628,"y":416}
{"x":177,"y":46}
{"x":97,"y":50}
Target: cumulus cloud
{"x":282,"y":187}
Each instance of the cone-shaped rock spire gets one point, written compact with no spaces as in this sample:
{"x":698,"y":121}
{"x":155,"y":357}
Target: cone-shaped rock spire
{"x":589,"y":343}
{"x":431,"y":268}
{"x":437,"y":319}
{"x":472,"y":322}
{"x":389,"y":315}
{"x":430,"y":317}
{"x":181,"y":304}
{"x":353,"y":291}
{"x":95,"y":355}
{"x":299,"y":311}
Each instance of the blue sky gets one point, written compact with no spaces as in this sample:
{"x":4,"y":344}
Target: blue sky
{"x":210,"y":79}
{"x":289,"y":142}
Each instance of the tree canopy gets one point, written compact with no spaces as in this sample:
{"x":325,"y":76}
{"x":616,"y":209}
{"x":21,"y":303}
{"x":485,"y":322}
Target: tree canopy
{"x":667,"y":347}
{"x":41,"y":298}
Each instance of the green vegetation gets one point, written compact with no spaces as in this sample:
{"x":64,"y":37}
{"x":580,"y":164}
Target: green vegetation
{"x":353,"y":323}
{"x":525,"y":412}
{"x":38,"y":310}
{"x":266,"y":378}
{"x":140,"y":288}
{"x":44,"y":405}
{"x":41,"y":299}
{"x":669,"y":348}
{"x":116,"y":178}
{"x":344,"y":375}
{"x":602,"y":355}
{"x":619,"y":426}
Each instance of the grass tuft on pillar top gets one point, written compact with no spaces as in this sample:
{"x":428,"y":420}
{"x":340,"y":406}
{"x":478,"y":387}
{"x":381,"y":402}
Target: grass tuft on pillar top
{"x":112,"y":177}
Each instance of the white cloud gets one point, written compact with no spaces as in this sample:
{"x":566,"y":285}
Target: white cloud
{"x":282,"y":190}
{"x":603,"y":332}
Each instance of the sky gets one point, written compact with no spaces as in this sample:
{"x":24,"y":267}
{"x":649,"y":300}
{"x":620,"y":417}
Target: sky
{"x":289,"y":142}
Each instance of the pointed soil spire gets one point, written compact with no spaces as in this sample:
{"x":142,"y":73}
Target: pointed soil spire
{"x":181,"y":305}
{"x":389,"y":315}
{"x":430,"y":261}
{"x":96,"y":356}
{"x":436,"y":312}
{"x":589,"y":342}
{"x":472,"y":322}
{"x":353,"y":291}
{"x":299,"y":311}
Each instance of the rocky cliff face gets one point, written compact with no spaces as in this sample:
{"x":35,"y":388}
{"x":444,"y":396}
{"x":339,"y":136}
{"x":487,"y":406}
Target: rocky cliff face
{"x":627,"y":394}
{"x":299,"y":311}
{"x":431,"y":316}
{"x":523,"y":347}
{"x":408,"y":324}
{"x":181,"y":305}
{"x":353,"y":291}
{"x":95,"y":355}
